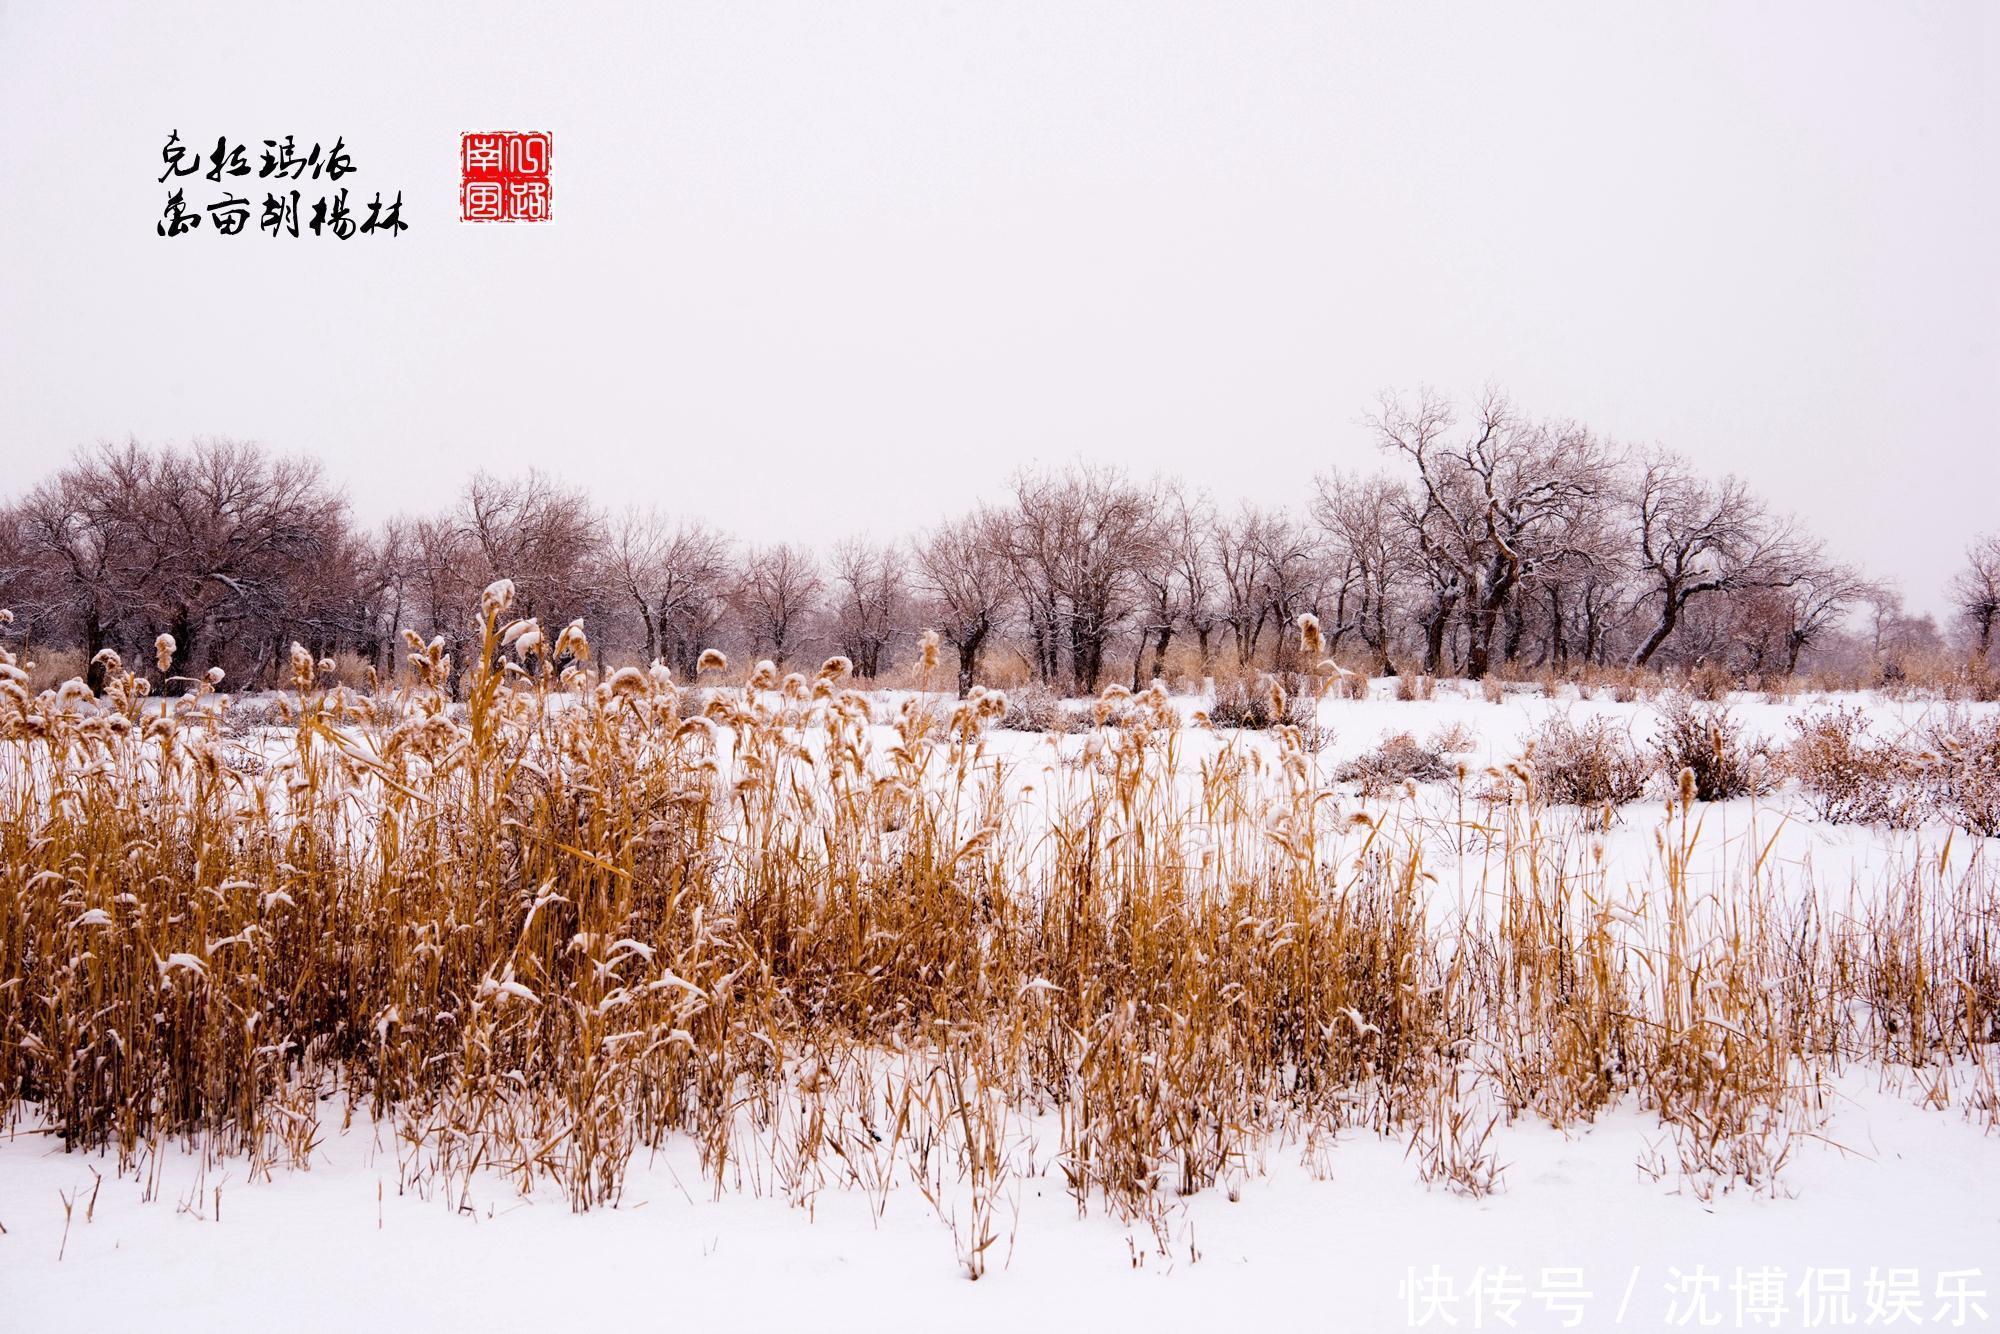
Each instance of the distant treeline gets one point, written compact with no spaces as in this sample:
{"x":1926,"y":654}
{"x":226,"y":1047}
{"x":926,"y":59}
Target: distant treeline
{"x":1489,"y":538}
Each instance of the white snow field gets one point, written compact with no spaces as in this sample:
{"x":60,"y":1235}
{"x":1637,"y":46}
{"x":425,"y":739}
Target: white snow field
{"x":1886,"y":1215}
{"x":1897,"y":1200}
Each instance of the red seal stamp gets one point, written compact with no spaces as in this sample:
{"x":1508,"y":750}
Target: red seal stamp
{"x":506,"y":176}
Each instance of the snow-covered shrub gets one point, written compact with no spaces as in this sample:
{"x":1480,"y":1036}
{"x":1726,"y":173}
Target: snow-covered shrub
{"x":248,"y":713}
{"x":1034,"y":707}
{"x":1706,"y":740}
{"x":1352,"y":685}
{"x":1452,"y":738}
{"x":1848,"y":777}
{"x":1592,"y":763}
{"x":1260,"y":704}
{"x":1399,"y":759}
{"x":1961,"y":771}
{"x":1411,"y":686}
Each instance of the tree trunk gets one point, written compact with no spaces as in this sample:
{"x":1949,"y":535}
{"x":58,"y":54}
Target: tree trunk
{"x":1670,"y":615}
{"x":1478,"y":647}
{"x":1381,"y":640}
{"x":968,"y":662}
{"x":1434,"y":630}
{"x":652,"y":631}
{"x":93,"y":644}
{"x":1246,"y":640}
{"x":1479,"y":634}
{"x":181,"y":665}
{"x":1088,"y":660}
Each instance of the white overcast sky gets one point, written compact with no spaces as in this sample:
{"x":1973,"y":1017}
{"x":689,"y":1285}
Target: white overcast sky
{"x":826,"y":268}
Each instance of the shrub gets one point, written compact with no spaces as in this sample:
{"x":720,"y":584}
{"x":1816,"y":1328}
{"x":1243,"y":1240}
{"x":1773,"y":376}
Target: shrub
{"x":1398,"y":760}
{"x":1414,"y":686}
{"x":1783,"y":689}
{"x":1453,"y":738}
{"x":1260,"y":704}
{"x":258,"y":710}
{"x":1961,"y":772}
{"x":1847,"y":777}
{"x":1033,"y":707}
{"x":1711,"y":682}
{"x":1352,"y":685}
{"x":1593,"y":763}
{"x":1707,"y":741}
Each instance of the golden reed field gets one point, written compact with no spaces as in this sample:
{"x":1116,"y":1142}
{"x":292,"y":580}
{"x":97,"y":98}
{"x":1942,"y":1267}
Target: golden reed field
{"x":546,"y":928}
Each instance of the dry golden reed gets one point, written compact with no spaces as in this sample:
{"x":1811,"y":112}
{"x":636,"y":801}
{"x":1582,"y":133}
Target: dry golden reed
{"x":544,"y":928}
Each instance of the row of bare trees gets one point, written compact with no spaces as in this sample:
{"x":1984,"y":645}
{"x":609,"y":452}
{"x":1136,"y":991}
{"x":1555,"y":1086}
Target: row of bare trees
{"x":220,"y":545}
{"x":1490,"y":537}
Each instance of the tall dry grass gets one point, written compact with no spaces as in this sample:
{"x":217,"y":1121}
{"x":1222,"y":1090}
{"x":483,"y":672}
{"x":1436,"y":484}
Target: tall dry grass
{"x":543,"y":930}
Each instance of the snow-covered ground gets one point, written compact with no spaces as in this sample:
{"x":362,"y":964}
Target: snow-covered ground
{"x":1879,"y":1215}
{"x":1894,"y":1200}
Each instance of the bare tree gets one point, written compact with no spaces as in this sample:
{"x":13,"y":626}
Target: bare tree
{"x":383,"y":601}
{"x":962,"y":571}
{"x":72,"y":531}
{"x":1288,"y":575}
{"x":220,"y":545}
{"x":1817,"y":601}
{"x":1076,"y":540}
{"x":329,"y":603}
{"x":1187,"y":535}
{"x":440,"y":574}
{"x":1510,"y":538}
{"x":1582,"y":596}
{"x":1898,"y":636}
{"x":544,"y":536}
{"x":776,"y":595}
{"x":1491,"y":510}
{"x":18,"y":568}
{"x":1698,"y":538}
{"x":870,"y":601}
{"x":677,"y":574}
{"x":1975,"y":590}
{"x":1242,"y":602}
{"x":1358,"y":516}
{"x":240,"y":529}
{"x":1175,"y":585}
{"x":1036,"y":531}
